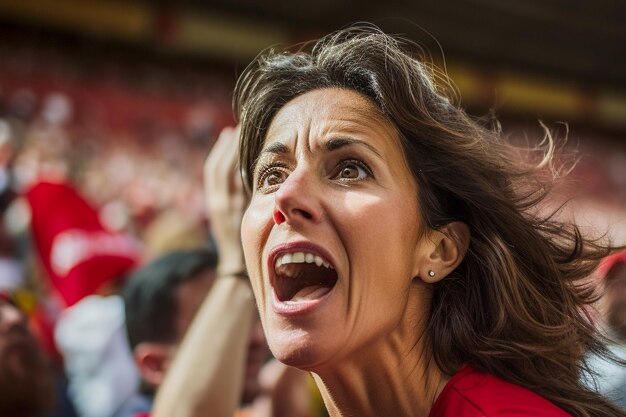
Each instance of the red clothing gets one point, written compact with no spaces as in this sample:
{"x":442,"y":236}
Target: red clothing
{"x":471,"y":393}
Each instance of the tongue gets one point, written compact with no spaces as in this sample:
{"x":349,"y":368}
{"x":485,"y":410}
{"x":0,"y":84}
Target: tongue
{"x":312,"y":292}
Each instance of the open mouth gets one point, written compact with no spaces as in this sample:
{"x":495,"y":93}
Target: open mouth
{"x":302,"y":276}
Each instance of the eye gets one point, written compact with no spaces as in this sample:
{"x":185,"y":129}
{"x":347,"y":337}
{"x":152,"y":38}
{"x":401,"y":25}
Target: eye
{"x":271,"y":177}
{"x":353,"y":170}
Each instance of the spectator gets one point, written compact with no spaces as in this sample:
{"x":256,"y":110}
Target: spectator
{"x":161,"y":301}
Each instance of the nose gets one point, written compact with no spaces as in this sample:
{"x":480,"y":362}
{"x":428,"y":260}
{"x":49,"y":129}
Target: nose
{"x":296,"y":200}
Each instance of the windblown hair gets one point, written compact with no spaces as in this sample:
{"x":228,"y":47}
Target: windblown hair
{"x":515,"y":307}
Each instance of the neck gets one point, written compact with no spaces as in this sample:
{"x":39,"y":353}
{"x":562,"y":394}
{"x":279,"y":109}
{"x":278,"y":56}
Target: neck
{"x":394,"y":376}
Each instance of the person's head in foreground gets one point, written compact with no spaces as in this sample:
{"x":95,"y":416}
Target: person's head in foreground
{"x":161,"y":299}
{"x":392,"y":241}
{"x":26,"y":378}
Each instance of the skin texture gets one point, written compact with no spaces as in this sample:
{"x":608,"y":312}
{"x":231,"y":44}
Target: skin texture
{"x":357,"y":200}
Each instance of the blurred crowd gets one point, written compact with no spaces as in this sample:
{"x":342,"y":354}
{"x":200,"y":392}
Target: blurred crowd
{"x":129,"y":143}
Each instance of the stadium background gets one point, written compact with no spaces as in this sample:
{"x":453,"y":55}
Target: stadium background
{"x":126,"y":97}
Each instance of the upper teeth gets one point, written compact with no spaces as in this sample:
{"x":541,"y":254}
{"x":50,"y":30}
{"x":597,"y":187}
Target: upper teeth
{"x":299,"y":258}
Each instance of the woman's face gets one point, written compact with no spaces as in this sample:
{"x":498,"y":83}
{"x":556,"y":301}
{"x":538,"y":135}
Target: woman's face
{"x":331,"y":236}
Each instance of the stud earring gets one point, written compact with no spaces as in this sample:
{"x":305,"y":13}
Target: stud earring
{"x":431,"y":273}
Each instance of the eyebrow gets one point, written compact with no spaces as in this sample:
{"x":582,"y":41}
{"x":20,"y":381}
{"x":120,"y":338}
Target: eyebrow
{"x":337,"y":143}
{"x":276,"y":147}
{"x":331,"y":145}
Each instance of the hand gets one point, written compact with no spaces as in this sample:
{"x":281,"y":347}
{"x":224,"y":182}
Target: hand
{"x":225,"y":200}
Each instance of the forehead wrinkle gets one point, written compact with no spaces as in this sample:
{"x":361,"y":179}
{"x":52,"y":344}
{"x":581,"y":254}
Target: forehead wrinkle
{"x":312,"y":121}
{"x":365,"y":107}
{"x":306,"y":134}
{"x":279,"y":140}
{"x":350,"y":131}
{"x":361,"y":116}
{"x":326,"y":114}
{"x":369,"y":112}
{"x":290,"y":124}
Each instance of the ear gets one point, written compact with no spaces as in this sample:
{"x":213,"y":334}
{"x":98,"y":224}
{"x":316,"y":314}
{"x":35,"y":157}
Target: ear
{"x":152,"y":360}
{"x":442,"y":251}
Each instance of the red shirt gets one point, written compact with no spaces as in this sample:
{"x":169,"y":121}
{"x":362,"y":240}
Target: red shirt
{"x":471,"y":393}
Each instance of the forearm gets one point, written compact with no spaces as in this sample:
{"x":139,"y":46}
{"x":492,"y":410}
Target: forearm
{"x":205,"y":378}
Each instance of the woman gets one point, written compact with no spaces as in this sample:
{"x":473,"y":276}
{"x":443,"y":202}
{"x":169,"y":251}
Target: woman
{"x":393,"y":244}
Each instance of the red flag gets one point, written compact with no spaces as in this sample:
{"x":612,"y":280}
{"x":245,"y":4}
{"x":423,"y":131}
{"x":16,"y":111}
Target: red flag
{"x":77,"y":252}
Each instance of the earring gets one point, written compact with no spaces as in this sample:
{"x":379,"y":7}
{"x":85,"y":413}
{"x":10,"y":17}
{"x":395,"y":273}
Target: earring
{"x":431,"y":273}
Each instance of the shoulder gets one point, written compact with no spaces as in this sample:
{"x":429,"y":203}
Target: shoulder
{"x":471,"y":393}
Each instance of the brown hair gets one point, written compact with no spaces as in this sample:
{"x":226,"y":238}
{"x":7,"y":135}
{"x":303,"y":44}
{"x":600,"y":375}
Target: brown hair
{"x":515,"y":306}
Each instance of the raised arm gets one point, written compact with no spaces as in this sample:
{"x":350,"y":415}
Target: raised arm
{"x":205,"y":378}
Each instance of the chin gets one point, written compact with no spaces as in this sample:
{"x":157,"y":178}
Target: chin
{"x":300,"y":349}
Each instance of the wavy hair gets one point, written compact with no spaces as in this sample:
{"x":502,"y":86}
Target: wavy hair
{"x":515,"y":307}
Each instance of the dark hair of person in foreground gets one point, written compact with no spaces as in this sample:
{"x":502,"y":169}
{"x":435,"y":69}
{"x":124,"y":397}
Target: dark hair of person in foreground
{"x":151,"y":301}
{"x":515,"y":306}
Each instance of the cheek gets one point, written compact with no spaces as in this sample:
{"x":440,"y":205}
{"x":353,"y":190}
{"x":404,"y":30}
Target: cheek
{"x":249,"y":227}
{"x":381,"y":245}
{"x":387,"y":228}
{"x":255,"y":228}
